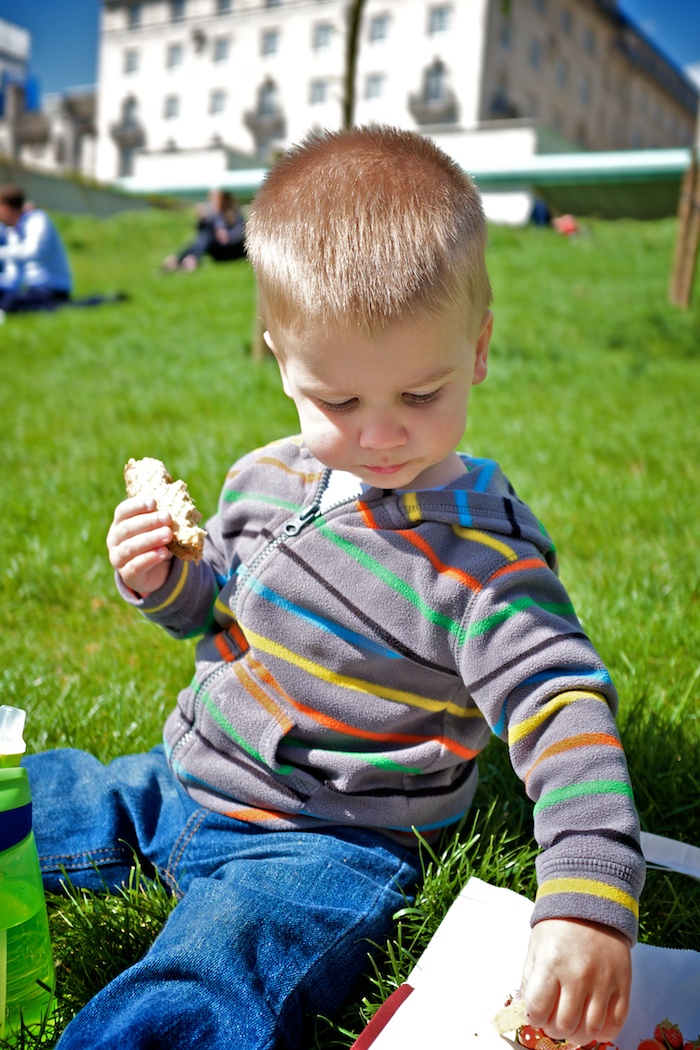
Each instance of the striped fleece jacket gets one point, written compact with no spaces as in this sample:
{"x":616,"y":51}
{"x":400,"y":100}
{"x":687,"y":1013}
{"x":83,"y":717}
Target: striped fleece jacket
{"x":352,"y":663}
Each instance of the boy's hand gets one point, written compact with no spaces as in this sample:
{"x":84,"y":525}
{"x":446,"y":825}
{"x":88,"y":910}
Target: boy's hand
{"x":576,"y":980}
{"x":136,"y":542}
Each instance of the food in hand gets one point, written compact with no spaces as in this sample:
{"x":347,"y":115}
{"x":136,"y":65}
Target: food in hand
{"x":148,"y":477}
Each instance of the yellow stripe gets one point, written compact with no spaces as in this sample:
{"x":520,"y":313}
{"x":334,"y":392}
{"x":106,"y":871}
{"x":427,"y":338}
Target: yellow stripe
{"x":357,"y":684}
{"x":178,"y":587}
{"x":220,"y":607}
{"x":274,"y":462}
{"x":528,"y":725}
{"x":591,"y":887}
{"x":488,"y":541}
{"x":412,"y":506}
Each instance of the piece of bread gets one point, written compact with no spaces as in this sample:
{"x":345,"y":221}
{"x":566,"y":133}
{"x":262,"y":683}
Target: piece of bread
{"x":148,"y":477}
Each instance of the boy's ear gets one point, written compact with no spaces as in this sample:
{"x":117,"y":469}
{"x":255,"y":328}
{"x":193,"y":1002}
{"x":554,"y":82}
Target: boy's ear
{"x":280,"y":362}
{"x":482,"y":349}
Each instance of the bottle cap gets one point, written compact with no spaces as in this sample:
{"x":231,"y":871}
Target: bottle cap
{"x":11,"y":728}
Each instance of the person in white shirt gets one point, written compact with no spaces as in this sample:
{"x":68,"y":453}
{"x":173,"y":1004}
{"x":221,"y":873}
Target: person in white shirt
{"x":33,"y":254}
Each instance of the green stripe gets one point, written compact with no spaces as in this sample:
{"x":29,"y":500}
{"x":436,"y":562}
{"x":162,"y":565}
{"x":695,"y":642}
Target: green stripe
{"x":407,"y":592}
{"x":363,"y":756}
{"x":590,"y":787}
{"x":233,"y":495}
{"x":393,"y":581}
{"x":519,"y":605}
{"x":224,"y":724}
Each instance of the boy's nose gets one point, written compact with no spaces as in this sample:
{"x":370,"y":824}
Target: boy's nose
{"x":383,"y":432}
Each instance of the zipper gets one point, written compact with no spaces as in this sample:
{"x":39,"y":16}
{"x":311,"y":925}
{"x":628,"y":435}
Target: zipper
{"x":289,"y":529}
{"x":218,"y":670}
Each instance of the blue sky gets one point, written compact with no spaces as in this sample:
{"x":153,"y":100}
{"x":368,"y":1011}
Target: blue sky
{"x":64,"y":34}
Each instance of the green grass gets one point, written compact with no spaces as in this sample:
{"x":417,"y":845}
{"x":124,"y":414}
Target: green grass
{"x":591,"y":405}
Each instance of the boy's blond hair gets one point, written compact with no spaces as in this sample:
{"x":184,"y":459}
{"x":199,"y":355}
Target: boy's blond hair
{"x":366,"y":227}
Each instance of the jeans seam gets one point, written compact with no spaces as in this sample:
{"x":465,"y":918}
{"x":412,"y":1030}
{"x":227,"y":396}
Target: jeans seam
{"x":105,"y":855}
{"x":183,"y":840}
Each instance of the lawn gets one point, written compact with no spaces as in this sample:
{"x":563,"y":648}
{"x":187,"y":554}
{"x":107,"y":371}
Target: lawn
{"x":592,"y":406}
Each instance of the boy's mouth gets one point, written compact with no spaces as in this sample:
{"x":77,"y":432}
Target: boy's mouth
{"x":385,"y":470}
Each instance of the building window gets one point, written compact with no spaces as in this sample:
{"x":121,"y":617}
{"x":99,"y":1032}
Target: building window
{"x":221,"y":49}
{"x":589,"y":40}
{"x":565,"y":20}
{"x":126,"y":161}
{"x":268,"y":104}
{"x":584,"y":92}
{"x":318,"y":92}
{"x":439,"y":19}
{"x":131,"y":61}
{"x":506,"y":35}
{"x":374,"y":85}
{"x":177,"y":10}
{"x":223,"y":7}
{"x":561,"y":73}
{"x":134,"y":16}
{"x":269,"y":42}
{"x":541,"y":6}
{"x":321,"y":36}
{"x":174,"y":56}
{"x":273,"y":3}
{"x":171,"y":107}
{"x":536,"y":54}
{"x":378,"y":28}
{"x":435,"y":82}
{"x":130,"y":109}
{"x":217,"y":102}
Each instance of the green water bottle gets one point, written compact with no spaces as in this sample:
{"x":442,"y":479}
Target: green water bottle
{"x":26,"y":961}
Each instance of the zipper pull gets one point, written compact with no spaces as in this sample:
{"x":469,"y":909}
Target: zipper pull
{"x":293,"y":527}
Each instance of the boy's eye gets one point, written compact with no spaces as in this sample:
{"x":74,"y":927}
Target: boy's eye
{"x":337,"y":406}
{"x":422,"y":399}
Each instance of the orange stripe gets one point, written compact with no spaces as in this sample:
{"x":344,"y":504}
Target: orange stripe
{"x":354,"y":731}
{"x":224,"y":650}
{"x":238,"y":637}
{"x":526,"y":563}
{"x":248,"y":683}
{"x":570,"y":743}
{"x":447,"y":570}
{"x":252,"y":814}
{"x":417,"y":540}
{"x":367,"y":515}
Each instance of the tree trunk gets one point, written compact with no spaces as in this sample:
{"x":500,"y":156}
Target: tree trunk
{"x":352,"y":46}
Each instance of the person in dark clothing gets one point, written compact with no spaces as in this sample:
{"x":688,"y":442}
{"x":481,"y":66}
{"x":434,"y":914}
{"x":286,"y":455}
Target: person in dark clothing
{"x":220,"y":230}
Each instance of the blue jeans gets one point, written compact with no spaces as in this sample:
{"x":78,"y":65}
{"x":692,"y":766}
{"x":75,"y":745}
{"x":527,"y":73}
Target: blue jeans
{"x":271,"y":927}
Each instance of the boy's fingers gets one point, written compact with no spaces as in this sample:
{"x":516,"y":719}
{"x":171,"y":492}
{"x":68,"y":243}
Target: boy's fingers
{"x":134,"y":505}
{"x":133,"y":547}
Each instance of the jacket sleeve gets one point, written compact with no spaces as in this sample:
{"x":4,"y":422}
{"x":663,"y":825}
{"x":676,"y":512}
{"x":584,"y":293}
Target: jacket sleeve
{"x":543,"y":689}
{"x":31,"y":244}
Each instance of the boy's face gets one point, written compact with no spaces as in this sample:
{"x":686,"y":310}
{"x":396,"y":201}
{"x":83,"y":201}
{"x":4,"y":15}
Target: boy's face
{"x":391,"y":410}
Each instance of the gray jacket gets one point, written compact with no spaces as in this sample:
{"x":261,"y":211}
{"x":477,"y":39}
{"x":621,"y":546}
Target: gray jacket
{"x":353,"y":663}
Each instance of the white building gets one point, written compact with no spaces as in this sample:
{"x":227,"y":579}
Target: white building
{"x":56,"y":134}
{"x":190,"y":89}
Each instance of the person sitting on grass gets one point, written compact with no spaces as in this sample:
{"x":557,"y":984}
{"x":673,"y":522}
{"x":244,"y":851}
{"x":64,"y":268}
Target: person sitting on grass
{"x":372,"y":606}
{"x":34,"y":254}
{"x":220,"y":234}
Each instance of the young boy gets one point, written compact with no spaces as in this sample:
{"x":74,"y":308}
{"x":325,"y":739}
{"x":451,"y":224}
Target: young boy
{"x":372,"y":605}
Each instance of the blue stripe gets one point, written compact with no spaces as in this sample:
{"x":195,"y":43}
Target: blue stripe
{"x":358,"y":640}
{"x":487,"y":468}
{"x":462,"y":505}
{"x":581,"y":672}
